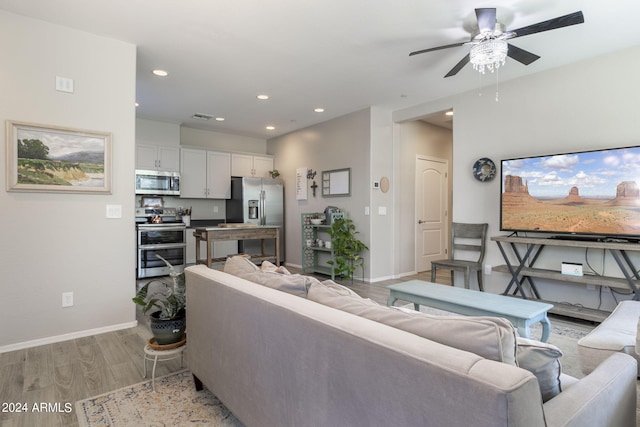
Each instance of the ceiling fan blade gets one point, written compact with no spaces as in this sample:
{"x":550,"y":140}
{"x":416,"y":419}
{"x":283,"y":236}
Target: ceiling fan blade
{"x":551,"y":24}
{"x":486,"y":19}
{"x":418,"y":52}
{"x":523,"y":56}
{"x":459,"y":66}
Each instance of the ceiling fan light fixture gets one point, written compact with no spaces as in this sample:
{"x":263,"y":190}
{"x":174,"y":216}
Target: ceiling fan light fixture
{"x":489,"y":54}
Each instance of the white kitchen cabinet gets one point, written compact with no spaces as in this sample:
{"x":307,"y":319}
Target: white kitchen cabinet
{"x":205,"y":174}
{"x":155,"y":157}
{"x":250,"y":165}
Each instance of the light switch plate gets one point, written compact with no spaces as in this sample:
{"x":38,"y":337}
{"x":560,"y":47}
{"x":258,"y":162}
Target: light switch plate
{"x":114,"y":211}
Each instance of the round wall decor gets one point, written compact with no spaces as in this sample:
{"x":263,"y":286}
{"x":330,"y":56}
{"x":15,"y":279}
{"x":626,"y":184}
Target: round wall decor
{"x":484,"y":169}
{"x":384,"y":184}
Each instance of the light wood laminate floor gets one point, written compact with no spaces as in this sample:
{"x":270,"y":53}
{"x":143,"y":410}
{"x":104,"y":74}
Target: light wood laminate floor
{"x":65,"y":372}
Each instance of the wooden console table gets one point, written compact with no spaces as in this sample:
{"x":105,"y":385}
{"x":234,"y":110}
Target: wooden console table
{"x":528,"y":249}
{"x":211,"y":234}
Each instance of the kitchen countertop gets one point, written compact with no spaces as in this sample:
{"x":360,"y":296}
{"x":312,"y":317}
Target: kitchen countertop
{"x":238,"y":227}
{"x":198,"y":223}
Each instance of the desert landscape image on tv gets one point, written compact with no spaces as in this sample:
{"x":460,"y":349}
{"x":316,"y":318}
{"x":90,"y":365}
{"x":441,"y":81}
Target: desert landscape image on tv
{"x":594,"y":192}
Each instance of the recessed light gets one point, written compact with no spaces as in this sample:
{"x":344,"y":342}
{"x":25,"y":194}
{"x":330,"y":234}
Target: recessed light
{"x":319,"y":110}
{"x":220,"y":119}
{"x":449,"y":113}
{"x":160,"y":73}
{"x":263,"y":97}
{"x":270,"y":127}
{"x":137,"y":105}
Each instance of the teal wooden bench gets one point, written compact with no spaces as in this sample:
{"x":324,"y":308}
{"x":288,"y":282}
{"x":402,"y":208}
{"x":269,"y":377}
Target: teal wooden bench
{"x":522,"y":313}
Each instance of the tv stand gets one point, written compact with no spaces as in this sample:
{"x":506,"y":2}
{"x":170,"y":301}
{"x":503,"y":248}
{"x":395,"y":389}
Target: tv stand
{"x":528,"y":249}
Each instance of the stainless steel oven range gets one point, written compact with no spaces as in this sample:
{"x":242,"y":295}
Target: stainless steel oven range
{"x":165,"y":236}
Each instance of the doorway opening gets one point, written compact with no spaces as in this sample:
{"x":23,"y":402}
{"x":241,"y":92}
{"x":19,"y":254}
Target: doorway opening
{"x":425,"y":159}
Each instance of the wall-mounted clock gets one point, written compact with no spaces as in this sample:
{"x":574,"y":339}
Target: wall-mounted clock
{"x":484,"y":169}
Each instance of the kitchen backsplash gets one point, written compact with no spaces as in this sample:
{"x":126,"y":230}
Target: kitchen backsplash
{"x":201,"y":208}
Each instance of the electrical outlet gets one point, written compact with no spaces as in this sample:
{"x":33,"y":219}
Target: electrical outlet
{"x":487,"y":269}
{"x":67,"y":299}
{"x":64,"y":84}
{"x":215,"y":208}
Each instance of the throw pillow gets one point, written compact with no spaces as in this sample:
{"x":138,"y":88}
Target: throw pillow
{"x":543,"y":361}
{"x":239,"y":264}
{"x":340,"y":289}
{"x":295,"y":284}
{"x":269,"y":266}
{"x":490,"y":337}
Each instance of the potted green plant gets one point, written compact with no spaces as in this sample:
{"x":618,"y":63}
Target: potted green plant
{"x":346,"y":247}
{"x":167,"y":306}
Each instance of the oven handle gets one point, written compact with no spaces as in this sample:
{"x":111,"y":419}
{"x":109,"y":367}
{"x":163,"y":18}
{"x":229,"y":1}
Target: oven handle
{"x":162,"y":246}
{"x":156,"y":228}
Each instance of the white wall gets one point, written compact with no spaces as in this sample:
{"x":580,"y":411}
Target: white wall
{"x":589,"y":105}
{"x":382,"y":255}
{"x":152,"y":132}
{"x":221,"y":141}
{"x":55,"y":243}
{"x":339,"y":143}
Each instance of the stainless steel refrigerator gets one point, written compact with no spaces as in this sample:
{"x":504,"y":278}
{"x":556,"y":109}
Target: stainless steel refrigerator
{"x":257,"y":201}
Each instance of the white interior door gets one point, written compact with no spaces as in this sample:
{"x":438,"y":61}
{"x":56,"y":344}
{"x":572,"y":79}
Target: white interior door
{"x":432,"y":189}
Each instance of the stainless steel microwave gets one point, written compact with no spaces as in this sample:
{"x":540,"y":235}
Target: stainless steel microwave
{"x":157,"y":182}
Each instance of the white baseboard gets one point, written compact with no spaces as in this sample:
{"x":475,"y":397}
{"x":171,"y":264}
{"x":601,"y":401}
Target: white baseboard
{"x":380,"y":279}
{"x":288,"y":264}
{"x":66,"y":337}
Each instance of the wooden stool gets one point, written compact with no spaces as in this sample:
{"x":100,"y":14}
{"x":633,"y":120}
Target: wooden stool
{"x":151,"y":353}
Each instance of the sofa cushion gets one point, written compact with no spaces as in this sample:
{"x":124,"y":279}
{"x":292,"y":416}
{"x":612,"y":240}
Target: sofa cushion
{"x":238,"y":264}
{"x":269,"y":266}
{"x":543,"y":361}
{"x":491,"y":338}
{"x":340,"y":289}
{"x":295,"y":284}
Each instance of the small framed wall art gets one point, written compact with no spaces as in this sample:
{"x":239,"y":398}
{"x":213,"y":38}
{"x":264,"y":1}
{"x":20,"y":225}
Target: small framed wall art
{"x":336,"y":182}
{"x":55,"y":159}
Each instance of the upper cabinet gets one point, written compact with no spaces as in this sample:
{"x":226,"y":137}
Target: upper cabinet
{"x":250,"y":165}
{"x":154,"y":157}
{"x":205,"y":174}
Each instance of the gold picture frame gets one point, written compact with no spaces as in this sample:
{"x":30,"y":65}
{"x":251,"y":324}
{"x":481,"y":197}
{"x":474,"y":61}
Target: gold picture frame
{"x":42,"y":158}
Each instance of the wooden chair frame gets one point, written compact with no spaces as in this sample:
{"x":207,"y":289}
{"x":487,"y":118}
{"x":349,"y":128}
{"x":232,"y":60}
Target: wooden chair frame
{"x":464,"y":238}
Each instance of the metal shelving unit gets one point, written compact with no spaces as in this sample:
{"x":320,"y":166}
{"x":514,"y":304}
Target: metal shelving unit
{"x":315,"y":258}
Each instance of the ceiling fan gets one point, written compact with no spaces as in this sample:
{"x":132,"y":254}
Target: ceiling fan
{"x":489,"y":46}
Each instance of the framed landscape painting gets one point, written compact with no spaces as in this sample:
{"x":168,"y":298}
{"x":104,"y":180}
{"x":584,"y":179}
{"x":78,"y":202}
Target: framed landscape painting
{"x":55,"y":159}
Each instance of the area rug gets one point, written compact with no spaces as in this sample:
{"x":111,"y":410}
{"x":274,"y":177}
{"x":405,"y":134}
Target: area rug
{"x":174,"y":403}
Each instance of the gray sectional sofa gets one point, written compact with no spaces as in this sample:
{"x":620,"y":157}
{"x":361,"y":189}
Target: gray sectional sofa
{"x":280,"y":359}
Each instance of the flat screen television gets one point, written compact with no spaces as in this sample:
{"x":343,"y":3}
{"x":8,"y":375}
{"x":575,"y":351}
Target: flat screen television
{"x":588,"y":193}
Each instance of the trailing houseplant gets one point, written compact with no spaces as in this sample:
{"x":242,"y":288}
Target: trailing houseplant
{"x":166,"y":303}
{"x":346,"y":247}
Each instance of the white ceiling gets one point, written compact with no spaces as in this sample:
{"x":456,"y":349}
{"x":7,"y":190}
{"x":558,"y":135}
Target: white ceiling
{"x":342,"y":55}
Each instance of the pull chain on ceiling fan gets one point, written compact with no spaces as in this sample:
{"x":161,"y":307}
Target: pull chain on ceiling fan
{"x":489,"y":46}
